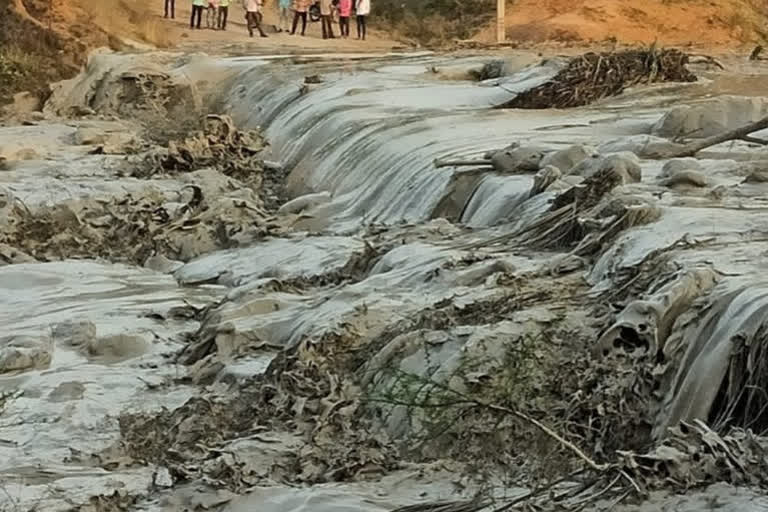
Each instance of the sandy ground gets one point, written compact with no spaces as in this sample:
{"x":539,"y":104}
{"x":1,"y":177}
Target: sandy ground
{"x":716,"y":23}
{"x":147,"y":25}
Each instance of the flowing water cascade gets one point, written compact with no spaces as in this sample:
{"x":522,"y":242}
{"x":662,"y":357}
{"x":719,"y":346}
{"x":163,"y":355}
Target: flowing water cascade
{"x":372,"y":259}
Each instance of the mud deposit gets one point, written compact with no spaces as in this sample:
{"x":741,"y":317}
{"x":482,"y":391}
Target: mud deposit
{"x":225,"y":286}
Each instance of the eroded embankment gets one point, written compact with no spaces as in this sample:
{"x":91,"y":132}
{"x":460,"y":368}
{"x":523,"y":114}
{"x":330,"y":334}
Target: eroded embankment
{"x":405,"y":333}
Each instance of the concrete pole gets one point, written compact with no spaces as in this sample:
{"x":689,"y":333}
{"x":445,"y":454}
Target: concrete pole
{"x":501,"y":35}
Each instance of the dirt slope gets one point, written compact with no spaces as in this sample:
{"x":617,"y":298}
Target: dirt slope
{"x":672,"y":22}
{"x":43,"y":41}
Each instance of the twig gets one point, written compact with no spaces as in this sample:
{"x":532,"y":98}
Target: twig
{"x":593,"y":497}
{"x":551,"y":433}
{"x":631,"y":481}
{"x":619,"y":500}
{"x":520,"y":415}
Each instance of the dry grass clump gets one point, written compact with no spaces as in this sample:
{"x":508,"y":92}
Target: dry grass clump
{"x":433,"y":22}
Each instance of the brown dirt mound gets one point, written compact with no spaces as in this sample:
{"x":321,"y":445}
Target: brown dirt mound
{"x":679,"y":22}
{"x":31,"y":55}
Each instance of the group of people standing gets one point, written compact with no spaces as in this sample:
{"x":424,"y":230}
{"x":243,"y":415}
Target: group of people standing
{"x":344,"y":9}
{"x":217,"y":12}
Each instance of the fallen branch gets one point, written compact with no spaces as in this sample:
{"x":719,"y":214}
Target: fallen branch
{"x":469,"y":400}
{"x":707,"y":59}
{"x":461,"y":163}
{"x":754,"y":140}
{"x":694,"y":147}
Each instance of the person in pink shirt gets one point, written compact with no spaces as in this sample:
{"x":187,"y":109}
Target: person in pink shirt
{"x":345,"y":11}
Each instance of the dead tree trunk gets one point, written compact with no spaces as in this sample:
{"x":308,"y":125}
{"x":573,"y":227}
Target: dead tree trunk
{"x":691,"y":149}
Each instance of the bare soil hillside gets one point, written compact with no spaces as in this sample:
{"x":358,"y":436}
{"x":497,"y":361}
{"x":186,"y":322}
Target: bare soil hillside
{"x":671,"y":22}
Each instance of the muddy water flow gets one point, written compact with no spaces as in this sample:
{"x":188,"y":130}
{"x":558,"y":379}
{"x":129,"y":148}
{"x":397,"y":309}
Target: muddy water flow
{"x":373,"y":245}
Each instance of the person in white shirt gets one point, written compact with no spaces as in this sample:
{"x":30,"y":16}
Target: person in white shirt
{"x":363,"y":9}
{"x":253,"y":16}
{"x":325,"y":17}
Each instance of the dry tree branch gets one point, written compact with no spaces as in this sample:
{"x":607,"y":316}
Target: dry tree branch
{"x":694,"y":147}
{"x":469,"y":400}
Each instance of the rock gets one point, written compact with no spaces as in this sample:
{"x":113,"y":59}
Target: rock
{"x":641,"y":145}
{"x":10,"y":256}
{"x":489,"y":70}
{"x":645,"y":324}
{"x":26,"y":154}
{"x":26,"y":102}
{"x":24,"y":353}
{"x":117,"y":347}
{"x":159,"y":263}
{"x":625,"y":163}
{"x":517,"y":158}
{"x":679,"y":164}
{"x":74,"y":334}
{"x":305,"y":202}
{"x":544,"y":178}
{"x":710,"y":117}
{"x":566,"y":159}
{"x":88,"y":136}
{"x":685,"y":177}
{"x":9,"y":154}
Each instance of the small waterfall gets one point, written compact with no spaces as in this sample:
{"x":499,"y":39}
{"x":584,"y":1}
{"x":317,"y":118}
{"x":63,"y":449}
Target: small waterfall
{"x":369,"y":137}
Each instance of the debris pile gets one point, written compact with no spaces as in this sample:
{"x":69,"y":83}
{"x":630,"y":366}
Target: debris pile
{"x":584,"y":218}
{"x":226,"y":202}
{"x":220,"y":145}
{"x":593,"y":76}
{"x":132,"y":229}
{"x":693,"y":455}
{"x":284,"y":425}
